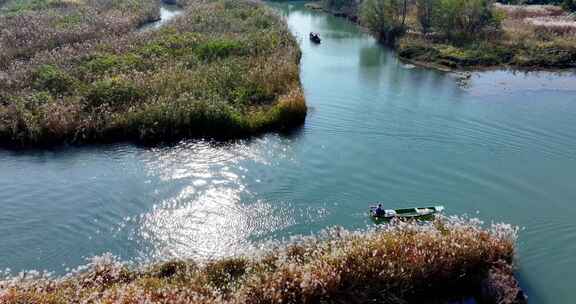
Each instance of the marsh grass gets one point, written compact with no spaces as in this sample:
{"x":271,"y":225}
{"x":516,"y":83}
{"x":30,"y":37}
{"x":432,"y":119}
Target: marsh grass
{"x":399,"y":263}
{"x":531,"y":36}
{"x":33,"y":26}
{"x":223,"y":68}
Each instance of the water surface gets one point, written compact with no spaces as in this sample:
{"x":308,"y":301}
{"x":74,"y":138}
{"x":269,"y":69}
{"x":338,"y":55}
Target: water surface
{"x":168,"y":11}
{"x":500,"y":148}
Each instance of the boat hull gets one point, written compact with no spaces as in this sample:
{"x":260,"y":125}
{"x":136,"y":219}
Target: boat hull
{"x":315,"y":38}
{"x":416,"y":214}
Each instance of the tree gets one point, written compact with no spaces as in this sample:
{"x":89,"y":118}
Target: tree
{"x":463,"y":19}
{"x":387,"y":18}
{"x":424,"y":13}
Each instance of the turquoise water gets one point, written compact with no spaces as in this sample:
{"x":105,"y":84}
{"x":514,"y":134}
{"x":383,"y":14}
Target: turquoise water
{"x":501,"y":148}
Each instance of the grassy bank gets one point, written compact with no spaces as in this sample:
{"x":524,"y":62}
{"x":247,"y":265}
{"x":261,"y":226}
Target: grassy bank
{"x":530,"y":37}
{"x":223,"y":68}
{"x":406,"y":263}
{"x":459,"y":34}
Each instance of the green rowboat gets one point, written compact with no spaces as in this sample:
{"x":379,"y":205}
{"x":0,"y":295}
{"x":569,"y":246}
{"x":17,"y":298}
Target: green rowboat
{"x":419,"y":213}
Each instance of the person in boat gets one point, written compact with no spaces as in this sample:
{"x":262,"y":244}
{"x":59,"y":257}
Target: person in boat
{"x":379,"y":211}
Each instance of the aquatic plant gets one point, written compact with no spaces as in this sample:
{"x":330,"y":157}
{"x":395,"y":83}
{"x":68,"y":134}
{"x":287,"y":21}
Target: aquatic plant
{"x":222,"y":68}
{"x":395,"y":263}
{"x":33,"y":26}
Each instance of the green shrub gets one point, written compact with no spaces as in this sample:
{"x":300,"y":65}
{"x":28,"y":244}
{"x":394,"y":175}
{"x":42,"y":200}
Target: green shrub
{"x":103,"y":63}
{"x":170,"y":45}
{"x":461,"y":20}
{"x":218,"y":49}
{"x":52,"y":79}
{"x":114,"y":92}
{"x":68,"y":21}
{"x":40,"y":98}
{"x":250,"y":94}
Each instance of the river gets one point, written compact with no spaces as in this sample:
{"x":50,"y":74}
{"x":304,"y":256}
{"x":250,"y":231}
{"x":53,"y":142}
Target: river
{"x":500,"y":148}
{"x":168,"y":11}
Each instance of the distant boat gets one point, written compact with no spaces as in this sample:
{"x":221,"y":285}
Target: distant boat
{"x":315,"y":37}
{"x":419,"y":213}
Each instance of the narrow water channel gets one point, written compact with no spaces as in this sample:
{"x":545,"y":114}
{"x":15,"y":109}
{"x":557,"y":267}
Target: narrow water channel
{"x":168,"y":11}
{"x":501,"y":148}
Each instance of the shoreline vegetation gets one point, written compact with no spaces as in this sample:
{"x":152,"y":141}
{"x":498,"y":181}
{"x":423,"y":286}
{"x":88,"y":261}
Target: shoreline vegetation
{"x":459,"y":35}
{"x":79,"y":71}
{"x":449,"y":259}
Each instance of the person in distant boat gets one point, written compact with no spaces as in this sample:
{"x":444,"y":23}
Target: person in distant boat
{"x":379,"y":211}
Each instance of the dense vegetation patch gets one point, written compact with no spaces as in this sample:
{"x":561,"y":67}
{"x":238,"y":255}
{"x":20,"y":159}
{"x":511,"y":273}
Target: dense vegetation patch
{"x":471,"y":33}
{"x":401,"y":263}
{"x":521,"y":36}
{"x":222,"y":68}
{"x":32,"y":26}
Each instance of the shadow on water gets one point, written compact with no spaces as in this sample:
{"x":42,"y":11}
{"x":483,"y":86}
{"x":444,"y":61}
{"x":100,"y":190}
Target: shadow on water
{"x":48,"y":153}
{"x":289,"y":134}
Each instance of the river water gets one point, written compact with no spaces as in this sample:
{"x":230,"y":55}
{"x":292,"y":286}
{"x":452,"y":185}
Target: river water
{"x":500,"y":147}
{"x":168,"y":12}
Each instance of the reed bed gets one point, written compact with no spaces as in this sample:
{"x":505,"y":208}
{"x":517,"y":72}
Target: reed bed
{"x":529,"y":11}
{"x":223,"y":68}
{"x":32,"y":26}
{"x":529,"y":36}
{"x":540,"y":35}
{"x":544,"y":22}
{"x":398,"y":263}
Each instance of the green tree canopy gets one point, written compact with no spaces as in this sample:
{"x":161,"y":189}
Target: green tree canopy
{"x":384,"y":17}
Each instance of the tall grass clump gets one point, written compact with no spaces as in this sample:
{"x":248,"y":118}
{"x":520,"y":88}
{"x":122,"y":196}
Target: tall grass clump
{"x":399,"y":263}
{"x":222,"y":68}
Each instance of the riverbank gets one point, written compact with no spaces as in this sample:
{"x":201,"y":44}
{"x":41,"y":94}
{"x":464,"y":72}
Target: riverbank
{"x":221,"y":69}
{"x":533,"y":37}
{"x":538,"y":37}
{"x":449,"y":259}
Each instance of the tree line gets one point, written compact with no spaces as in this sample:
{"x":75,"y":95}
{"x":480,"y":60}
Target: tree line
{"x":456,"y":20}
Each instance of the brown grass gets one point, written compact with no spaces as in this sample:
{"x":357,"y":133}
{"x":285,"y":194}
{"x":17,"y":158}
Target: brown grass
{"x":222,"y":68}
{"x":531,"y":36}
{"x":396,"y":263}
{"x":529,"y":11}
{"x":537,"y":22}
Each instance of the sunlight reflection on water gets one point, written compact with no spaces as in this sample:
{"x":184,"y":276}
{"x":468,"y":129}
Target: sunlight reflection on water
{"x":213,"y":214}
{"x":214,"y":225}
